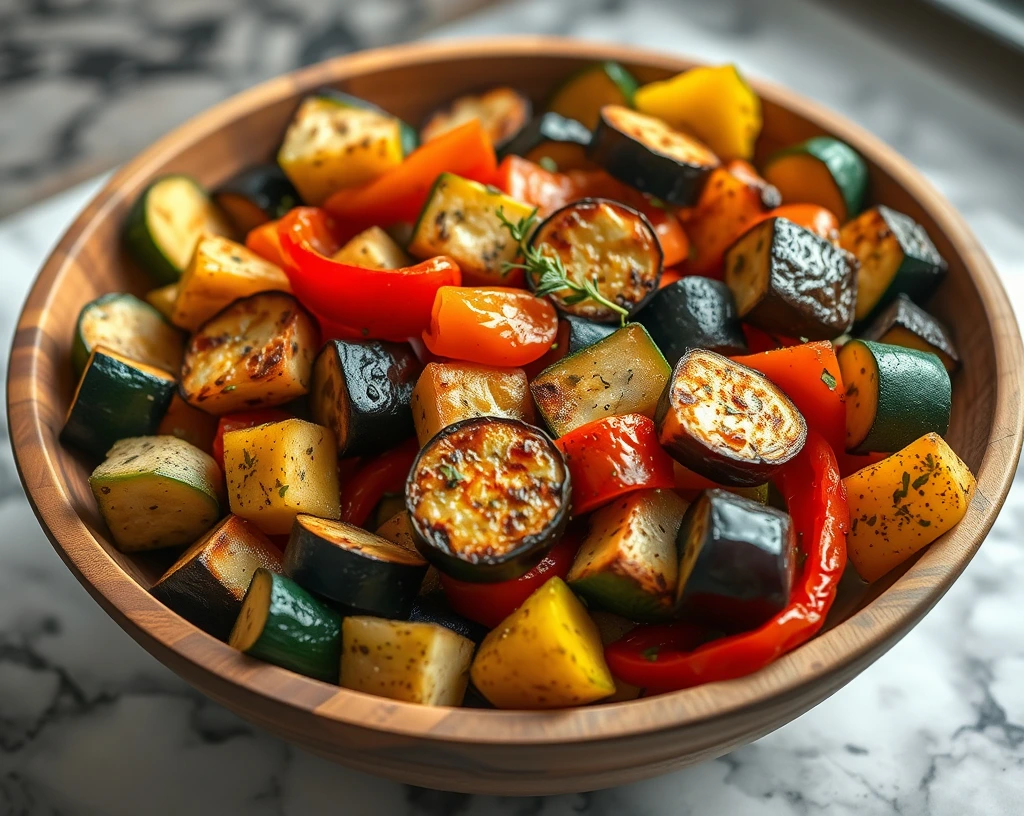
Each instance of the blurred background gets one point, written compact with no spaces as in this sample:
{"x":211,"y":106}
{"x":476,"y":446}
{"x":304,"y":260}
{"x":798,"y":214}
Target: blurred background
{"x":84,"y":84}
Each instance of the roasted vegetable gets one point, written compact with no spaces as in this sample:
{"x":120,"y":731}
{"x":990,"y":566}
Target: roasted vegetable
{"x":585,"y":92}
{"x":126,"y":325}
{"x":790,"y":281}
{"x":628,"y":562}
{"x":726,"y":421}
{"x":278,"y":470}
{"x":258,"y":352}
{"x":207,"y":583}
{"x":903,"y":323}
{"x":373,"y":249}
{"x":356,"y":569}
{"x":361,"y":391}
{"x":647,"y":154}
{"x":185,"y":422}
{"x":611,"y":628}
{"x":736,"y":561}
{"x":448,"y":392}
{"x":433,"y":608}
{"x":487,"y":497}
{"x":896,"y":257}
{"x":116,"y":397}
{"x":903,"y":503}
{"x":622,"y":374}
{"x":693,"y":312}
{"x":546,"y":654}
{"x":162,"y":299}
{"x":607,"y":243}
{"x":820,"y":170}
{"x":503,"y":112}
{"x":157,"y":491}
{"x":415,"y":662}
{"x":256,"y":195}
{"x":893,"y":395}
{"x":407,"y":133}
{"x":220,"y":273}
{"x":283,"y":624}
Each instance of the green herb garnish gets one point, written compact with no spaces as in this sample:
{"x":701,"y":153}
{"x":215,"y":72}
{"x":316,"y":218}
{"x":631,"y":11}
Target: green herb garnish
{"x":451,"y":475}
{"x":828,"y":379}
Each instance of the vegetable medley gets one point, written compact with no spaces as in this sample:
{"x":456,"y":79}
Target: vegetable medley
{"x":571,"y":404}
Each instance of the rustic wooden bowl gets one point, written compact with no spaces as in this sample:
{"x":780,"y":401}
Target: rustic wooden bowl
{"x":472,"y":749}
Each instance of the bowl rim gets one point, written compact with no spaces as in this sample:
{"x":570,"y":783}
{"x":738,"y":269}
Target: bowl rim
{"x":828,"y":660}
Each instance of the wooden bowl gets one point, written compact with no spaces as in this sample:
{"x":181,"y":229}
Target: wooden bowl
{"x":471,"y":749}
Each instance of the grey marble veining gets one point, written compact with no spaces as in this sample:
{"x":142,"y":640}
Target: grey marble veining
{"x":90,"y":725}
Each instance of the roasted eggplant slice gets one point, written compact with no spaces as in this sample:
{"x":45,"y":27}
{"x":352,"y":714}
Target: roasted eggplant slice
{"x":352,"y":567}
{"x":694,"y":312}
{"x":256,"y":195}
{"x":551,"y":139}
{"x":487,"y":497}
{"x":904,"y":323}
{"x":788,"y":280}
{"x":736,"y":561}
{"x":605,"y":242}
{"x":727,"y":422}
{"x":503,"y":112}
{"x":647,"y":154}
{"x":362,"y":391}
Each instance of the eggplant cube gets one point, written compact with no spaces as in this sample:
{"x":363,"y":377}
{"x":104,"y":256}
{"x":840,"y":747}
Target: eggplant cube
{"x":736,"y":561}
{"x":787,"y":280}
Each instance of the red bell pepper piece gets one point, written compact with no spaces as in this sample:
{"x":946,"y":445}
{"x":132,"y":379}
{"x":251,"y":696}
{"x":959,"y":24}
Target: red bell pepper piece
{"x":758,"y":340}
{"x":400,"y":193}
{"x":264,"y":242}
{"x":382,"y":474}
{"x":490,"y":604}
{"x":613,"y":456}
{"x":528,"y":182}
{"x":667,"y":658}
{"x":491,"y":325}
{"x":240,"y":420}
{"x":809,"y":375}
{"x":388,"y":304}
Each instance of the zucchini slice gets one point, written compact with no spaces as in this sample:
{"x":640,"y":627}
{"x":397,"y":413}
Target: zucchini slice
{"x":373,"y":248}
{"x":362,"y":392}
{"x":409,"y":138}
{"x":330,"y":146}
{"x":162,"y":299}
{"x":220,"y":273}
{"x":116,"y":397}
{"x":449,"y":392}
{"x":628,"y":564}
{"x":132,"y":328}
{"x":822,"y":171}
{"x":415,"y":662}
{"x":257,"y":353}
{"x":165,"y":224}
{"x":157,"y":491}
{"x":585,"y":92}
{"x":605,"y":242}
{"x":207,"y":583}
{"x":896,"y":257}
{"x":353,"y":567}
{"x":256,"y":195}
{"x":624,"y":373}
{"x":694,"y":312}
{"x":904,"y":323}
{"x":737,"y":559}
{"x":278,"y":470}
{"x":487,"y":498}
{"x":460,"y":220}
{"x":788,"y":280}
{"x":727,"y":422}
{"x":502,"y":111}
{"x":577,"y":333}
{"x":647,"y":154}
{"x":283,"y":624}
{"x":553,"y":141}
{"x":893,"y":395}
{"x":185,"y":422}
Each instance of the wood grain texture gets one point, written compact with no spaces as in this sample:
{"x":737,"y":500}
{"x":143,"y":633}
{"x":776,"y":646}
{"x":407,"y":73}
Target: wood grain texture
{"x":468,"y":749}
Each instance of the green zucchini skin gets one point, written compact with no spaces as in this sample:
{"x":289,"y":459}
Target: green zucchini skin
{"x":345,"y":572}
{"x":694,"y":312}
{"x":737,"y":559}
{"x":264,"y":187}
{"x":581,"y":332}
{"x":410,"y":139}
{"x":116,"y":398}
{"x":914,"y":396}
{"x":844,"y":164}
{"x":433,"y":608}
{"x":904,"y":314}
{"x":548,"y":127}
{"x":301,"y":633}
{"x":362,"y":391}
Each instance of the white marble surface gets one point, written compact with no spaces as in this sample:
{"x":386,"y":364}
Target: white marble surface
{"x":90,"y":725}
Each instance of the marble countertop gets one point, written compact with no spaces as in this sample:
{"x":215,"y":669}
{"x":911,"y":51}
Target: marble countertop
{"x":91,"y":725}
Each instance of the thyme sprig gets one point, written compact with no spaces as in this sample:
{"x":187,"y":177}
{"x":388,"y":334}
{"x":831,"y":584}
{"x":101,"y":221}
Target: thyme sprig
{"x":547,"y":273}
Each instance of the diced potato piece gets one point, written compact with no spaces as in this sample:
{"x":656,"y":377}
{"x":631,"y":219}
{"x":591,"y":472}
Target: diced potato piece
{"x":546,"y":654}
{"x":373,"y":249}
{"x":903,"y":503}
{"x":278,"y":470}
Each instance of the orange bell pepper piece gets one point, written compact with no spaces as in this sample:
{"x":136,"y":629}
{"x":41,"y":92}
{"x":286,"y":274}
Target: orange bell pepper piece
{"x":264,"y":242}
